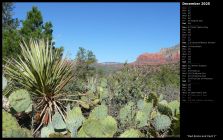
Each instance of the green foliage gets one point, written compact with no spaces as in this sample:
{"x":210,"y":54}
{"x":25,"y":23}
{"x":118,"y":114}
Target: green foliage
{"x":10,"y":44}
{"x":32,"y":25}
{"x":10,"y":34}
{"x":102,"y":90}
{"x":168,"y":76}
{"x":152,"y":97}
{"x":165,"y":81}
{"x":7,"y":13}
{"x":11,"y":128}
{"x":126,"y":85}
{"x":164,"y":109}
{"x":131,"y":133}
{"x":20,"y":100}
{"x":84,"y":59}
{"x":91,"y":84}
{"x":161,"y":122}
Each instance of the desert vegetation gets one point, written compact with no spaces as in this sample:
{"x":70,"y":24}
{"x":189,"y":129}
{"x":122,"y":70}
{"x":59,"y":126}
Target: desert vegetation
{"x":131,"y":102}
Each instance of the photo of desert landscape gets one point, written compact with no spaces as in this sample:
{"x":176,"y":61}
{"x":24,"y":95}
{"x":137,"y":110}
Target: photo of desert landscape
{"x":90,"y":70}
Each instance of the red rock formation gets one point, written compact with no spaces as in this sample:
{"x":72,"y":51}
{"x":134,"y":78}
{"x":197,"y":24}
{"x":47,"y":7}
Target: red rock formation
{"x":166,"y":55}
{"x":150,"y":58}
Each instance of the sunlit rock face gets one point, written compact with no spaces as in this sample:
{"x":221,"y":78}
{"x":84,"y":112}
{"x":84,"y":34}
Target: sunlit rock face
{"x":165,"y":56}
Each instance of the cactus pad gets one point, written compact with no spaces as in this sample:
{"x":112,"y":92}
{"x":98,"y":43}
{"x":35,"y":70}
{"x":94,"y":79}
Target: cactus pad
{"x":11,"y":128}
{"x":131,"y":133}
{"x":20,"y":100}
{"x":100,"y":128}
{"x":74,"y":119}
{"x":161,"y":122}
{"x":99,"y":112}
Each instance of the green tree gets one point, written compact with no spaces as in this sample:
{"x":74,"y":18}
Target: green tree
{"x":32,"y":25}
{"x":84,"y":60}
{"x":48,"y":31}
{"x":7,"y":12}
{"x":10,"y":34}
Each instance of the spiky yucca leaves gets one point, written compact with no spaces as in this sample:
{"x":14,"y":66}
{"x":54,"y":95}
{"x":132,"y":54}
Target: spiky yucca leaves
{"x":41,"y":70}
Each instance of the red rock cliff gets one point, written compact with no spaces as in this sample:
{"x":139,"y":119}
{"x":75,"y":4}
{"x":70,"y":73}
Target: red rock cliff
{"x":166,"y":55}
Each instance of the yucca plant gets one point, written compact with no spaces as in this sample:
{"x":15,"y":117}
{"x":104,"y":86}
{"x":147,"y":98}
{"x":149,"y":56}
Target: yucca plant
{"x":41,"y":70}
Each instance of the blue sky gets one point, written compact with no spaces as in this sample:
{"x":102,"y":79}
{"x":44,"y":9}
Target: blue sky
{"x":115,"y":32}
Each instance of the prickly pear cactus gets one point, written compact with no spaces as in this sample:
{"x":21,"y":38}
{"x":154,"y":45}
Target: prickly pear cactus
{"x":29,"y":109}
{"x":20,"y":100}
{"x":74,"y":119}
{"x":161,"y":122}
{"x":8,"y":121}
{"x":143,"y":115}
{"x":17,"y":133}
{"x":82,"y":134}
{"x":131,"y":133}
{"x":99,"y":128}
{"x":127,"y":113}
{"x":58,"y":122}
{"x":175,"y":107}
{"x":46,"y":131}
{"x":102,"y":92}
{"x":11,"y":128}
{"x":141,"y":119}
{"x":99,"y":112}
{"x":73,"y":133}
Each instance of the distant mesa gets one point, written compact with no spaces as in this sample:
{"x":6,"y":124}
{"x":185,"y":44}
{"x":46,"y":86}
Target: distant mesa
{"x":165,"y":56}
